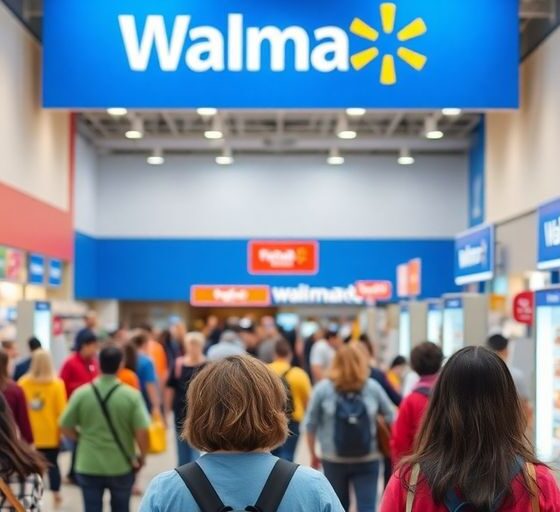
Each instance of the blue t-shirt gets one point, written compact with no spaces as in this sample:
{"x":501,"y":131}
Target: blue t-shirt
{"x":146,"y":372}
{"x":239,"y":480}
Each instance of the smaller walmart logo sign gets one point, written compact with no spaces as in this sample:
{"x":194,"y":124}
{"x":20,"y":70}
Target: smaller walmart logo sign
{"x":388,"y":74}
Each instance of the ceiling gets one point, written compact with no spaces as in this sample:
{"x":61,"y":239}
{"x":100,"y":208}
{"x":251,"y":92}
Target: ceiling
{"x":288,"y":131}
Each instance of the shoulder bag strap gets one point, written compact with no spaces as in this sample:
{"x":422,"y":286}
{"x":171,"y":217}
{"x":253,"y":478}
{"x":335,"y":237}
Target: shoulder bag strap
{"x":412,"y":487}
{"x":105,"y":410}
{"x":201,"y":489}
{"x":533,"y":487}
{"x":12,"y":500}
{"x":276,"y":486}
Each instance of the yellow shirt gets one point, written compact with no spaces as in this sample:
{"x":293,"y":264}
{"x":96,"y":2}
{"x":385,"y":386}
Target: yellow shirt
{"x":299,"y":383}
{"x":45,"y":403}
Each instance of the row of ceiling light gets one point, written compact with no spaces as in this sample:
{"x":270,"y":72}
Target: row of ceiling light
{"x":343,"y":132}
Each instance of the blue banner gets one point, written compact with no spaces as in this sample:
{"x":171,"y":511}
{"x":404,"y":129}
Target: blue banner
{"x":548,"y":298}
{"x":474,"y":255}
{"x":281,"y":54}
{"x":454,"y":303}
{"x":55,"y":273}
{"x":549,"y":236}
{"x":36,"y":270}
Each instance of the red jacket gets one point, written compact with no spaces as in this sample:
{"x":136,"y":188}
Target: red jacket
{"x":76,"y":372}
{"x":15,"y":398}
{"x":409,"y":418}
{"x":394,"y":499}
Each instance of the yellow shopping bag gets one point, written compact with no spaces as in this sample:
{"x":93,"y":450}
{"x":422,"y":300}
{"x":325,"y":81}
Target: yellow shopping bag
{"x":157,"y":436}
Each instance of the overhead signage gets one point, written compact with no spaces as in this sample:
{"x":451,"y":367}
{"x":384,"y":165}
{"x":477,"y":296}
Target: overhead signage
{"x":402,"y":281}
{"x":283,"y":258}
{"x":474,"y":255}
{"x":549,"y":236}
{"x":524,"y":308}
{"x":15,"y":265}
{"x":374,"y":291}
{"x":455,"y":303}
{"x":36,"y":269}
{"x":230,"y":296}
{"x":55,"y":273}
{"x":415,"y":277}
{"x":549,"y":298}
{"x":280,"y":54}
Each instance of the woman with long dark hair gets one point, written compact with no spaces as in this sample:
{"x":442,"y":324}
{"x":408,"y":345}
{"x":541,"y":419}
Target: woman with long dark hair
{"x":472,"y":453}
{"x":20,"y":467}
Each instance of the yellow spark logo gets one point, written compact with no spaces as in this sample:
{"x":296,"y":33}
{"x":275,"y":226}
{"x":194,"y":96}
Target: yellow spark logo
{"x":414,"y":29}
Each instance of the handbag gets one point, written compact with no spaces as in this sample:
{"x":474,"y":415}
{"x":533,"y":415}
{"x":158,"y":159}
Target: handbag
{"x":383,"y":437}
{"x":157,"y":436}
{"x":12,"y":500}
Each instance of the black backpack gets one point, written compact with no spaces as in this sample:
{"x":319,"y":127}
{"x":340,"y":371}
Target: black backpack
{"x":352,"y":429}
{"x":289,"y":394}
{"x":208,"y":500}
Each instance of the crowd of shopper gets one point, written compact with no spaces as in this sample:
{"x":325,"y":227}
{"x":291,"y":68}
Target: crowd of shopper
{"x":241,"y":393}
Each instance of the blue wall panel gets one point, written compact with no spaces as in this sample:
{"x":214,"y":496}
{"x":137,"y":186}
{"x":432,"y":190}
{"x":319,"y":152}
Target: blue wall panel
{"x":154,"y":269}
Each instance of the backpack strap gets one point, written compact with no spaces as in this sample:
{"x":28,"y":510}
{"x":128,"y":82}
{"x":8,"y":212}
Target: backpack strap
{"x":275,"y":487}
{"x":201,"y":489}
{"x":412,"y":487}
{"x":533,"y":487}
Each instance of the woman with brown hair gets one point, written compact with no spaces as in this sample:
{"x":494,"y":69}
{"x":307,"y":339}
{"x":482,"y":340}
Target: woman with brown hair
{"x":237,"y":415}
{"x":342,"y":417}
{"x":20,"y":468}
{"x":471,"y":452}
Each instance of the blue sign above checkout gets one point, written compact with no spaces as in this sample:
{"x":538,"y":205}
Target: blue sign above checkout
{"x":549,"y":236}
{"x":548,"y":298}
{"x":281,"y":54}
{"x":36,"y":269}
{"x":474,"y":255}
{"x":55,"y":273}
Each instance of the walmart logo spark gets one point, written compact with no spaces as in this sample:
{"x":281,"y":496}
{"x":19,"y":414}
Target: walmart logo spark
{"x":414,"y":29}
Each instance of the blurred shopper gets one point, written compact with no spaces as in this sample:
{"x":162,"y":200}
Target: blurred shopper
{"x":46,"y":399}
{"x":397,"y":372}
{"x":237,"y":415}
{"x":121,"y":335}
{"x":90,"y":320}
{"x":15,"y":397}
{"x":230,"y":345}
{"x":500,"y":345}
{"x":11,"y":350}
{"x":471,"y":453}
{"x":186,"y":368}
{"x":212,"y":331}
{"x":146,"y":372}
{"x":298,"y":387}
{"x":322,"y":355}
{"x":178,"y":332}
{"x":127,"y":373}
{"x":269,"y":336}
{"x":249,"y":337}
{"x":21,"y":468}
{"x":342,"y":417}
{"x":172,"y":350}
{"x":23,"y":366}
{"x":156,"y":352}
{"x":81,"y":367}
{"x":426,"y":360}
{"x":108,"y":419}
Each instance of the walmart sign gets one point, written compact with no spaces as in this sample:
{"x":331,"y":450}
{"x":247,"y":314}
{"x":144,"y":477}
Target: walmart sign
{"x":289,"y":53}
{"x":474,"y":255}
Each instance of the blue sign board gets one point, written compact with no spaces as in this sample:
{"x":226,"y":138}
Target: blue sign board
{"x":548,"y":298}
{"x":55,"y":273}
{"x":455,"y":303}
{"x":549,"y":236}
{"x":474,"y":255}
{"x":281,"y":54}
{"x":477,"y":182}
{"x":36,"y":270}
{"x":434,"y":306}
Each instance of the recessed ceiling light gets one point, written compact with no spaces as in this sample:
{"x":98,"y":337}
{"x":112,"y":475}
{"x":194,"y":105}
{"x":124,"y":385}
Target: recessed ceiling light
{"x":347,"y":134}
{"x":226,"y":158}
{"x":451,"y":112}
{"x":335,"y":158}
{"x":356,"y":112}
{"x":206,"y":111}
{"x":156,"y":158}
{"x":117,"y":111}
{"x":405,"y":158}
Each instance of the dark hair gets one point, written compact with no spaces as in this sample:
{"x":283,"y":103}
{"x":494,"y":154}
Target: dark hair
{"x":110,"y":359}
{"x":165,"y":338}
{"x":130,"y":356}
{"x":16,"y":457}
{"x":366,"y":343}
{"x":85,"y":337}
{"x":497,"y":343}
{"x":331,"y":334}
{"x":139,"y":339}
{"x":8,"y":344}
{"x":283,"y":348}
{"x":398,"y":361}
{"x":34,"y":344}
{"x":473,"y":432}
{"x":4,"y":375}
{"x":147,"y":327}
{"x":426,"y":358}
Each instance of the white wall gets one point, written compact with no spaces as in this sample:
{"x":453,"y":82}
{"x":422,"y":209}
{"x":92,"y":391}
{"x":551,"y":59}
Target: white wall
{"x":85,"y":198}
{"x":369,"y":197}
{"x":523,"y":147}
{"x":34,"y":143}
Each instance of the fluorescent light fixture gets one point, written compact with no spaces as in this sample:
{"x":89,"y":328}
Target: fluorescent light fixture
{"x":136,"y":130}
{"x":207,"y":111}
{"x":216,"y":132}
{"x":405,"y":158}
{"x":356,"y":112}
{"x":451,"y":112}
{"x":117,"y":112}
{"x":431,"y":130}
{"x":156,"y":158}
{"x":335,"y":158}
{"x":226,"y":158}
{"x":343,"y":131}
